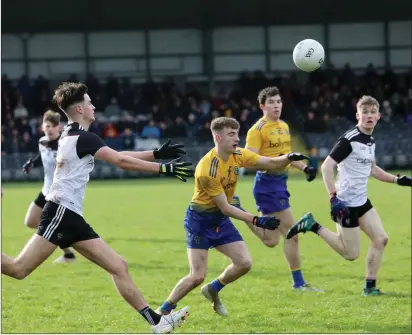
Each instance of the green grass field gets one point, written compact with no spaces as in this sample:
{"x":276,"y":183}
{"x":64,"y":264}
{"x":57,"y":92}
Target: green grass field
{"x":143,"y":221}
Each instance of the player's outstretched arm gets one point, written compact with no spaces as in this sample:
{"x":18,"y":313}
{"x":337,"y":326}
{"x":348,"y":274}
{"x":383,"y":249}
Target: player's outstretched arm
{"x":143,"y":155}
{"x":266,"y":222}
{"x":31,"y":163}
{"x":180,"y":170}
{"x":328,"y":174}
{"x":274,"y":163}
{"x":166,"y":151}
{"x":308,"y":170}
{"x":387,"y":177}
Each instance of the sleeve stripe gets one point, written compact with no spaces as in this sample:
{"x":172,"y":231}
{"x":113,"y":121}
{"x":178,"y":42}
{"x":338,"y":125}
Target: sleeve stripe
{"x":260,"y":125}
{"x":352,"y":134}
{"x":213,"y":167}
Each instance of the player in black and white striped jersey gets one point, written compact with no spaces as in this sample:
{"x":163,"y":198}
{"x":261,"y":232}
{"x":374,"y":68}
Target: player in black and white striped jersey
{"x":46,"y":157}
{"x":62,"y":223}
{"x":354,"y":157}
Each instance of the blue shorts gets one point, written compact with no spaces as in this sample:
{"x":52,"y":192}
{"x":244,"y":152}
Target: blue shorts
{"x":209,"y":230}
{"x":270,"y":192}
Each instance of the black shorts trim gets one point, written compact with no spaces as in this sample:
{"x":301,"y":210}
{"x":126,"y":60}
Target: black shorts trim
{"x":63,"y":227}
{"x":40,"y":200}
{"x":352,"y":220}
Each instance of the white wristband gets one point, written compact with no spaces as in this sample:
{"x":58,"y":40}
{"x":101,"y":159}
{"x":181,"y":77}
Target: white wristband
{"x":395,"y":180}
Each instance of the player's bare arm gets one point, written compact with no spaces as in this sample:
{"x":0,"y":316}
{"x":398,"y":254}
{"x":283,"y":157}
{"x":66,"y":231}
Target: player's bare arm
{"x":382,"y":175}
{"x":387,"y":177}
{"x":143,"y":155}
{"x":266,"y":222}
{"x":274,"y":163}
{"x":256,"y":151}
{"x":307,"y":169}
{"x":299,"y":165}
{"x":178,"y":169}
{"x":231,"y":211}
{"x":328,"y":174}
{"x":166,"y":151}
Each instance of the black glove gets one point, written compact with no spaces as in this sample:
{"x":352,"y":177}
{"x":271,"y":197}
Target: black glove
{"x":27,"y":166}
{"x":404,"y":181}
{"x":296,"y":156}
{"x":167,"y":151}
{"x":266,"y":222}
{"x":338,"y":208}
{"x":310,"y":172}
{"x":177,"y":169}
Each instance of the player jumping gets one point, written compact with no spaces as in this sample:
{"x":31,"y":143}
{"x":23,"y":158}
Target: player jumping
{"x":46,"y":157}
{"x":270,"y":137}
{"x":354,"y":157}
{"x":62,"y":223}
{"x":207,"y":222}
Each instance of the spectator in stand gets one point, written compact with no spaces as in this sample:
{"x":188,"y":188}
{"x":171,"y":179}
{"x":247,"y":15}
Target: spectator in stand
{"x":110,"y":131}
{"x":128,"y":139}
{"x":330,"y":94}
{"x":150,"y":130}
{"x":113,"y":109}
{"x":27,"y":144}
{"x":20,"y":111}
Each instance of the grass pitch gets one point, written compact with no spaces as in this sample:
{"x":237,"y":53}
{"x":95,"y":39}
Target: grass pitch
{"x":143,"y":221}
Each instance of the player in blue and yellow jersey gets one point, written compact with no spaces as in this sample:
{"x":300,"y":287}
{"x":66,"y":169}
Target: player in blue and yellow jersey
{"x":270,"y":137}
{"x":207,"y":221}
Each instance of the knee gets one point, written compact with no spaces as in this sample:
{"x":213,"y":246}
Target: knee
{"x":120,"y":268}
{"x":197,"y":279}
{"x":271,"y":243}
{"x":20,"y":272}
{"x":30,"y":223}
{"x":245,"y":264}
{"x":381,"y":241}
{"x":351,"y":255}
{"x":20,"y":275}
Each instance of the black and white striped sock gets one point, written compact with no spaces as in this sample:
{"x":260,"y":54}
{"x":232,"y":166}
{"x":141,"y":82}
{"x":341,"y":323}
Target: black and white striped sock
{"x":150,"y":315}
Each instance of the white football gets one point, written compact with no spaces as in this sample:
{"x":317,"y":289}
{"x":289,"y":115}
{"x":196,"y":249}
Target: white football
{"x":308,"y":55}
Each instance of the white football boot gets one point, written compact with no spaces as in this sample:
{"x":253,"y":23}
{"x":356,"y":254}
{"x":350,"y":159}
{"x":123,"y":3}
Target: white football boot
{"x":171,"y":321}
{"x":210,"y":294}
{"x":64,"y":259}
{"x":308,"y":288}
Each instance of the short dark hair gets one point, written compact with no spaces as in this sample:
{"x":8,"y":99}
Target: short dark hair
{"x":223,"y":122}
{"x":52,"y":117}
{"x":267,"y":92}
{"x":69,"y":93}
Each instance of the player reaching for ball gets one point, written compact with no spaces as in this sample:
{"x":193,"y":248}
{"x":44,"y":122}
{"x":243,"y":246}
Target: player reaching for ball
{"x":207,"y":221}
{"x":354,"y":157}
{"x":62,"y":223}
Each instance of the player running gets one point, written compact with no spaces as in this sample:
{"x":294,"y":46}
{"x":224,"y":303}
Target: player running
{"x":354,"y":157}
{"x":62,"y":223}
{"x":46,"y":157}
{"x":207,"y":222}
{"x":270,"y":137}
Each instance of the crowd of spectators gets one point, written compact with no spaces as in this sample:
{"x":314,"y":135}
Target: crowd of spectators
{"x":156,"y":110}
